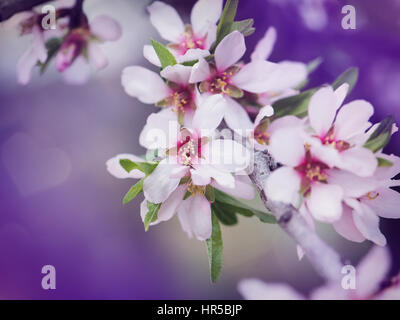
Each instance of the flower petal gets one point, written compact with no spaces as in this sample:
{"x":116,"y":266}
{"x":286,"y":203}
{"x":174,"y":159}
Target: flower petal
{"x":192,"y":55}
{"x":325,"y":202}
{"x":283,"y":185}
{"x":254,"y":289}
{"x":265,"y":112}
{"x":96,"y":56}
{"x":229,"y":50}
{"x":387,"y":204}
{"x":150,"y":54}
{"x":166,"y":20}
{"x":178,"y":73}
{"x":78,"y":73}
{"x":358,"y":160}
{"x":25,"y":65}
{"x":158,"y":186}
{"x":243,"y":188}
{"x":287,"y":75}
{"x":237,"y":118}
{"x":214,"y":105}
{"x":105,"y":28}
{"x":352,"y":119}
{"x":200,"y":71}
{"x":114,"y":167}
{"x":341,"y":93}
{"x":265,"y":45}
{"x":169,"y":206}
{"x":144,"y":84}
{"x":346,"y":228}
{"x":205,"y":13}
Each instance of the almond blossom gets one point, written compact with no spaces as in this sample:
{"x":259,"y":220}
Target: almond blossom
{"x":188,"y":42}
{"x":371,"y":284}
{"x":177,"y":94}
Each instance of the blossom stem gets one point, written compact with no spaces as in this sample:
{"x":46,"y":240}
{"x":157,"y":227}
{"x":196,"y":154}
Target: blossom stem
{"x":324,"y":259}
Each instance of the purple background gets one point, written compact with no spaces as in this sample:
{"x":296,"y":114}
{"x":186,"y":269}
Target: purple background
{"x":61,"y":207}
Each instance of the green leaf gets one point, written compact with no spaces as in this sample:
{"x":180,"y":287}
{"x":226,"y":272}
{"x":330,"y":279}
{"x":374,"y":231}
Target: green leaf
{"x":243,"y":26}
{"x":165,"y":56}
{"x":151,"y":215}
{"x":314,"y":64}
{"x":226,"y":21}
{"x":133,"y":192}
{"x":214,"y":249}
{"x":146,"y":167}
{"x":350,"y":76}
{"x":295,"y":105}
{"x":210,"y":193}
{"x":230,"y":204}
{"x":52,"y":46}
{"x":227,"y":217}
{"x":384,"y":163}
{"x":381,"y":136}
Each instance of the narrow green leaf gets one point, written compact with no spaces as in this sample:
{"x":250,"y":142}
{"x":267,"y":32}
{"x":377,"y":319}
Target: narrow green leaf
{"x":133,"y":192}
{"x":146,"y":167}
{"x":210,"y":193}
{"x":381,"y":136}
{"x":226,"y":21}
{"x":350,"y":76}
{"x":151,"y":214}
{"x":384,"y":163}
{"x":226,"y":217}
{"x":214,"y":249}
{"x":295,"y":105}
{"x":314,"y":64}
{"x":165,"y":56}
{"x":243,"y":26}
{"x":52,"y":46}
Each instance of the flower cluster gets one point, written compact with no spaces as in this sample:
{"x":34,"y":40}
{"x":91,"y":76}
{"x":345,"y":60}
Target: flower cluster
{"x":73,"y":41}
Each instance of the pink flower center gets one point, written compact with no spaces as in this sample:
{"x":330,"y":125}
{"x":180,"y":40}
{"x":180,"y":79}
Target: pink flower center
{"x":181,"y":99}
{"x":190,"y":41}
{"x":330,"y":140}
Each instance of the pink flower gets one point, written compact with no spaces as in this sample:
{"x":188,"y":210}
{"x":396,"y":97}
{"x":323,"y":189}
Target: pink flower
{"x":186,"y":42}
{"x":228,"y":80}
{"x":367,"y":199}
{"x":370,"y":282}
{"x":177,"y":94}
{"x":81,"y":45}
{"x":336,"y":133}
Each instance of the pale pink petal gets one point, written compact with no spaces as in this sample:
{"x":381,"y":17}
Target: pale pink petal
{"x":166,"y":20}
{"x":114,"y":167}
{"x":78,"y":73}
{"x":346,"y":228}
{"x":243,"y":188}
{"x":386,"y":173}
{"x":237,"y":118}
{"x":200,"y":71}
{"x":352,"y":119}
{"x":38,"y":44}
{"x":372,"y":270}
{"x":144,"y":84}
{"x":150,"y":54}
{"x":96,"y":56}
{"x":287,"y":146}
{"x":254,"y":289}
{"x":25,"y":65}
{"x":325,"y":202}
{"x":184,"y":216}
{"x":205,"y":13}
{"x":158,"y":186}
{"x":392,"y":293}
{"x":287,"y":75}
{"x":192,"y":55}
{"x":300,"y":252}
{"x":200,"y":177}
{"x":330,"y":292}
{"x":200,"y":217}
{"x":211,"y":36}
{"x":341,"y":94}
{"x":358,"y":160}
{"x":322,"y":110}
{"x":229,"y":50}
{"x":265,"y":45}
{"x":285,"y":122}
{"x":223,"y":178}
{"x":387,"y":203}
{"x":105,"y":28}
{"x":256,"y":76}
{"x":265,"y":112}
{"x":214,"y":105}
{"x":179,"y":172}
{"x":283,"y":185}
{"x":169,"y":206}
{"x":178,"y":73}
{"x":368,"y":223}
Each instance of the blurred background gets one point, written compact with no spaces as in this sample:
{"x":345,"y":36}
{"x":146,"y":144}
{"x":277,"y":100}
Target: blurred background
{"x":59,"y":205}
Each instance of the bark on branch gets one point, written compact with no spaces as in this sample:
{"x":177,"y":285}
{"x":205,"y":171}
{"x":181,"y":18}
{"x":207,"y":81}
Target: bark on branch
{"x":323,"y":258}
{"x":10,"y":7}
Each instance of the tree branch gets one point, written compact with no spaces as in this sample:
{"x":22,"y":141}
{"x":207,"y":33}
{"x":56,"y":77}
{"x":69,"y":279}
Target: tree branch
{"x":10,"y":7}
{"x":323,"y":258}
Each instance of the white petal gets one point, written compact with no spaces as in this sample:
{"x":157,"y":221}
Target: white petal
{"x":96,"y":56}
{"x":265,"y":45}
{"x":144,"y":84}
{"x":265,"y":112}
{"x":184,"y":216}
{"x":214,"y":105}
{"x":237,"y":118}
{"x":200,"y":177}
{"x":285,"y":122}
{"x":192,"y":55}
{"x":346,"y":228}
{"x":178,"y":73}
{"x":25,"y":65}
{"x":204,"y":14}
{"x":322,"y":110}
{"x":352,"y":119}
{"x":254,"y":289}
{"x":105,"y":28}
{"x":368,"y":223}
{"x":287,"y":75}
{"x":200,"y":71}
{"x":78,"y":73}
{"x":169,"y":206}
{"x":150,"y":54}
{"x":387,"y":204}
{"x":372,"y":270}
{"x":358,"y":160}
{"x":223,"y":178}
{"x":325,"y":202}
{"x":341,"y":93}
{"x":200,"y":217}
{"x":256,"y":76}
{"x":166,"y":20}
{"x":230,"y":50}
{"x":39,"y":45}
{"x":242,"y":189}
{"x":283,"y":185}
{"x":158,"y":186}
{"x":114,"y":167}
